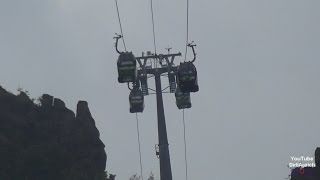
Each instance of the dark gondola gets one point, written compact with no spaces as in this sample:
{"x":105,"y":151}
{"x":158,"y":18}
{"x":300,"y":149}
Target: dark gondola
{"x":187,"y":77}
{"x":183,"y":100}
{"x":126,"y":64}
{"x":127,"y":67}
{"x":136,"y":100}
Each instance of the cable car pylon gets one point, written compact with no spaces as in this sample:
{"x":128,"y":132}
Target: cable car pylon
{"x":180,"y":78}
{"x":164,"y":64}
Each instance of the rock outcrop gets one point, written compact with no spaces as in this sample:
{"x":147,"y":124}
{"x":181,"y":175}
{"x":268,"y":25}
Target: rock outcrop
{"x":48,"y":141}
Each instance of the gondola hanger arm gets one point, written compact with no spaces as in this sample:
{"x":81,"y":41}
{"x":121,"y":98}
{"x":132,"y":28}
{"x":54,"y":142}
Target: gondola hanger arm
{"x":192,"y":45}
{"x":129,"y":86}
{"x":117,"y":37}
{"x":135,"y":85}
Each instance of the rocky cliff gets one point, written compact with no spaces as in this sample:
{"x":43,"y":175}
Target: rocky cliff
{"x":47,"y":141}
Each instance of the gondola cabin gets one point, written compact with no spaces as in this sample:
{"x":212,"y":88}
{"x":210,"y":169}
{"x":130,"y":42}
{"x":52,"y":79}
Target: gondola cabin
{"x":127,"y":67}
{"x":183,"y":100}
{"x":187,"y":77}
{"x":136,"y":100}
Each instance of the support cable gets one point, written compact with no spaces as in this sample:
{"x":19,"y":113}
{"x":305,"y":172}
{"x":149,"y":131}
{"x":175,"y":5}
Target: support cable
{"x":185,"y":144}
{"x":187,"y":36}
{"x":139,"y":145}
{"x":154,"y":34}
{"x":124,"y":44}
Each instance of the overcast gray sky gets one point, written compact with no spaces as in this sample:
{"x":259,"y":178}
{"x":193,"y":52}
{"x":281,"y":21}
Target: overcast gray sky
{"x":258,"y":64}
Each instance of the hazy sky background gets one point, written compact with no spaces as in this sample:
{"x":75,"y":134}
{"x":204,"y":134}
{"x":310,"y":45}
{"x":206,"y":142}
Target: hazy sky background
{"x":258,"y":64}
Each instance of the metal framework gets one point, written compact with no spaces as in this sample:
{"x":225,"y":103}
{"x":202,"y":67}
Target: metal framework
{"x":153,"y":65}
{"x":166,"y":65}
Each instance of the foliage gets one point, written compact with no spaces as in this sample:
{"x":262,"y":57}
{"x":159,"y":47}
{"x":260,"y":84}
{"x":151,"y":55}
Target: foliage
{"x":36,"y":101}
{"x":20,"y":90}
{"x":151,"y":176}
{"x":136,"y":177}
{"x":106,"y":176}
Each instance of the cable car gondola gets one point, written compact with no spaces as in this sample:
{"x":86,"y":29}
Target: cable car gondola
{"x":126,"y":64}
{"x":187,"y":77}
{"x":183,"y":100}
{"x":136,"y":100}
{"x":127,"y":67}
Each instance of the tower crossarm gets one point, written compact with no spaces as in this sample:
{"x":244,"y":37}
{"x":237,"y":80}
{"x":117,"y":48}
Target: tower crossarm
{"x":142,"y":61}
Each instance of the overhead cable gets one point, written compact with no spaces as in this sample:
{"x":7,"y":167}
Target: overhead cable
{"x":187,"y":35}
{"x":124,"y":44}
{"x":185,"y":145}
{"x":154,"y":34}
{"x":141,"y":170}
